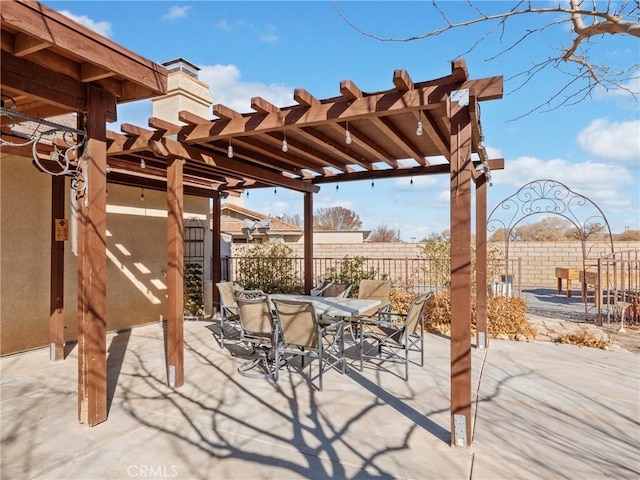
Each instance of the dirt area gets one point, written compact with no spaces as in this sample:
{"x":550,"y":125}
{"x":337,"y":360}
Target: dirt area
{"x":553,"y":313}
{"x":629,"y":339}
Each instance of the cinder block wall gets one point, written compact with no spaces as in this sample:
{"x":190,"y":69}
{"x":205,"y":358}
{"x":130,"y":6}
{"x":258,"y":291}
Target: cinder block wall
{"x":538,"y":259}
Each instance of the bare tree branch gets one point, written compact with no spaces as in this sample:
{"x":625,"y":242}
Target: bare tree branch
{"x":585,"y":25}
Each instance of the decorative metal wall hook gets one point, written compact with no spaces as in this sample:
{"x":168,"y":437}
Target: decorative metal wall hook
{"x":69,"y":158}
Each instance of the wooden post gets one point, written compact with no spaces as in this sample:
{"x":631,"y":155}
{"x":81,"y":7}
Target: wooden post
{"x":175,"y":273}
{"x":460,"y":163}
{"x":482,"y":340}
{"x":56,"y":299}
{"x":216,"y":272}
{"x":308,"y":242}
{"x":92,"y":267}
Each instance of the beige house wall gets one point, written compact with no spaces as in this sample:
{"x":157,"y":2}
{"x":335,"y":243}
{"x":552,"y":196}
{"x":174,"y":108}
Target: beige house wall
{"x":538,"y":259}
{"x":136,"y":257}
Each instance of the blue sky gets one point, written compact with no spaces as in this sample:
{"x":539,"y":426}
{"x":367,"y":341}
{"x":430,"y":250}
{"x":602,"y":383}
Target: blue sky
{"x":268,"y":49}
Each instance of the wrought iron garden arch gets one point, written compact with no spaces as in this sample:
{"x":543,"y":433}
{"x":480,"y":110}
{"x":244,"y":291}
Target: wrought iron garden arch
{"x":550,"y":197}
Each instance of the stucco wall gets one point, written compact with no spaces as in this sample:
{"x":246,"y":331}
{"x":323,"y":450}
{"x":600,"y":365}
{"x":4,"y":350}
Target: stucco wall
{"x":136,"y":257}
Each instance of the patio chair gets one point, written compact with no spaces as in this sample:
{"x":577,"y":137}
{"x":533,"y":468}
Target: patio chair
{"x":300,"y":334}
{"x":318,"y":290}
{"x":394,"y":334}
{"x":340,"y":290}
{"x":228,"y":307}
{"x":375,"y":290}
{"x":256,"y":329}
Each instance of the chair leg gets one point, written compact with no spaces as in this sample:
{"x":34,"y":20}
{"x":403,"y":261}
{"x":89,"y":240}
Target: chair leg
{"x":406,"y":358}
{"x":276,"y":372}
{"x":320,"y":363}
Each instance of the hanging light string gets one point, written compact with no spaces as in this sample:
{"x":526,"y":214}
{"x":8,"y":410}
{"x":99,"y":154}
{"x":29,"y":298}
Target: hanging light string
{"x":230,"y":150}
{"x":347,"y":135}
{"x":285,"y":145}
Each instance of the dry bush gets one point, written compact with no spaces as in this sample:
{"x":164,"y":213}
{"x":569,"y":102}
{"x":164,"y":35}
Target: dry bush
{"x":401,"y":300}
{"x":506,"y":316}
{"x":583,"y":339}
{"x":437,"y":313}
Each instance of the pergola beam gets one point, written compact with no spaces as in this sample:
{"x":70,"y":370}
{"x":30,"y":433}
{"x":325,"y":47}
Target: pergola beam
{"x":340,"y":111}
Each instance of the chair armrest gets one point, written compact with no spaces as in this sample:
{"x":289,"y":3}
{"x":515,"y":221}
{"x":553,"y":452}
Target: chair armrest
{"x":385,"y":307}
{"x":382,"y":323}
{"x":326,"y":327}
{"x":390,"y":315}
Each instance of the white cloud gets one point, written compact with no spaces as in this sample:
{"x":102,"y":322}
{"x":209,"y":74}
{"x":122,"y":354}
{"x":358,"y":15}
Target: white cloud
{"x":176,"y":12}
{"x":228,"y":89}
{"x":608,"y":186}
{"x":270,"y":35}
{"x":103,"y":28}
{"x":223,"y":25}
{"x":612,"y":141}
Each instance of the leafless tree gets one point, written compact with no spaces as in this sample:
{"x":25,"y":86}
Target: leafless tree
{"x":549,"y":229}
{"x":336,"y":218}
{"x":586,"y":22}
{"x":293,"y":219}
{"x":383,"y":233}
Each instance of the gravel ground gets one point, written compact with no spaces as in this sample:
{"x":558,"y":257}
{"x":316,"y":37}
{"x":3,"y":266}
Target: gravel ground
{"x":554,"y":314}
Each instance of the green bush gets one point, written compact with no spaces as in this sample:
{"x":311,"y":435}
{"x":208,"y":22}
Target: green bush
{"x":270,"y":267}
{"x":350,"y":270}
{"x":193,"y":290}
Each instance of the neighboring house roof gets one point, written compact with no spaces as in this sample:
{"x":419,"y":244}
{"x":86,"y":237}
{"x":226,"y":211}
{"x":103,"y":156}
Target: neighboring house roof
{"x":233,"y":222}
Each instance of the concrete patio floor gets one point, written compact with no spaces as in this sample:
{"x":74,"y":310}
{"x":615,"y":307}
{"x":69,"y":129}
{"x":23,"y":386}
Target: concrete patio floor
{"x":540,"y":411}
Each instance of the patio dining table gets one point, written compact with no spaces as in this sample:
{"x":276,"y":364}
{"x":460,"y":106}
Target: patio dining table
{"x":337,"y":307}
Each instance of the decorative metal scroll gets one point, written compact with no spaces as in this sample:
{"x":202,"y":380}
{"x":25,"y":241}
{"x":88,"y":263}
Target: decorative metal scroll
{"x":68,"y":159}
{"x":550,"y":197}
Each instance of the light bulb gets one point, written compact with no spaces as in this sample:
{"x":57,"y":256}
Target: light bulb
{"x":285,"y":146}
{"x":230,"y":151}
{"x":108,"y":170}
{"x":347,"y":137}
{"x":411,"y":181}
{"x":142,"y":195}
{"x":481,"y":143}
{"x":142,"y":164}
{"x":419,"y":130}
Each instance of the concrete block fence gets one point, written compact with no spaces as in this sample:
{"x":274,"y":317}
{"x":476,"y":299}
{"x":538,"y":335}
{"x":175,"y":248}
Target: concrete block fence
{"x":538,"y":259}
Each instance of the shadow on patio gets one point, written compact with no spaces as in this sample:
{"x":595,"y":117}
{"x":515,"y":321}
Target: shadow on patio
{"x":537,"y":416}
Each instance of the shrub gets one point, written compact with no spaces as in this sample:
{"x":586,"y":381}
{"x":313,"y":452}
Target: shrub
{"x":350,"y":270}
{"x":506,"y":315}
{"x":270,"y":267}
{"x":583,"y":339}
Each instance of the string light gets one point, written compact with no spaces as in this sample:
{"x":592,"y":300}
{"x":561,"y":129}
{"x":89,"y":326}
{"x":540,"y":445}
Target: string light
{"x":411,"y":181}
{"x":247,"y":193}
{"x":419,"y":129}
{"x":275,"y":191}
{"x":337,"y":187}
{"x":481,"y":143}
{"x":372,"y":184}
{"x":230,"y":150}
{"x":347,"y":135}
{"x":142,"y":194}
{"x":142,"y":164}
{"x":285,"y":146}
{"x":108,"y":168}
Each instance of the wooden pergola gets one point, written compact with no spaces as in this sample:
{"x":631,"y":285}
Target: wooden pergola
{"x":415,"y":128}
